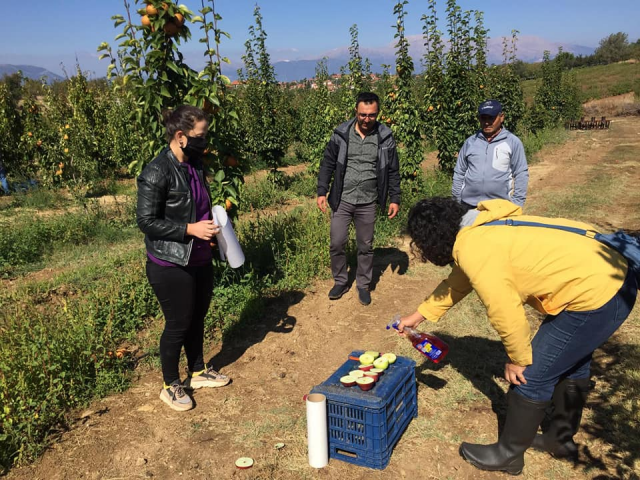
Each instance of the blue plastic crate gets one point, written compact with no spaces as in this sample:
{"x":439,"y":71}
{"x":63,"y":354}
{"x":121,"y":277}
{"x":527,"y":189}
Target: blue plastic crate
{"x":363,"y":427}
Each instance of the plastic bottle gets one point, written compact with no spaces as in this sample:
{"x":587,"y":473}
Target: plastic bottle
{"x":427,"y":344}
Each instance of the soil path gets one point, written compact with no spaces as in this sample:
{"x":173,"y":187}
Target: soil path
{"x":300,"y":340}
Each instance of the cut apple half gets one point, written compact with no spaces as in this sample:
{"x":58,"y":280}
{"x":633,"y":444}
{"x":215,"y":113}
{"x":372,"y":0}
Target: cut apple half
{"x":391,"y":357}
{"x":366,"y":359}
{"x":382,"y":363}
{"x":365,"y":368}
{"x":348,"y":381}
{"x":373,"y":353}
{"x":372,"y":374}
{"x":379,"y":371}
{"x":365,"y":383}
{"x":356,"y":373}
{"x":244,"y":462}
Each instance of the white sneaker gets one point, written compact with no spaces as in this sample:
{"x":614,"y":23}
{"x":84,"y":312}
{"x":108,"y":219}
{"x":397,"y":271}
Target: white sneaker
{"x":175,"y":396}
{"x":206,"y":378}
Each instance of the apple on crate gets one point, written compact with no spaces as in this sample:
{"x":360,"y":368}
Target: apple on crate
{"x":348,"y":381}
{"x":372,"y":374}
{"x":391,"y":357}
{"x":381,"y":363}
{"x":365,"y":383}
{"x":366,"y":359}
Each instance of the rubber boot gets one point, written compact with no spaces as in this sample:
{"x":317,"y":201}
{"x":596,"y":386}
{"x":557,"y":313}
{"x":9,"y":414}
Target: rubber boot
{"x":569,"y":398}
{"x":523,"y":419}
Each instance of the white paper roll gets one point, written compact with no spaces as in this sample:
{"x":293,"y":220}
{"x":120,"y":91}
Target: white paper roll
{"x":229,"y":247}
{"x":317,"y":430}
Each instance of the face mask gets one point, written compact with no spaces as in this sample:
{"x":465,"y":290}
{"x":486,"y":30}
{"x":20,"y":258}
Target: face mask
{"x":195,"y":147}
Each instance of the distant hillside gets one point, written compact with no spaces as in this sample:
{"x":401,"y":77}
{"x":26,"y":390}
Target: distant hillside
{"x":597,"y":82}
{"x":29,"y":71}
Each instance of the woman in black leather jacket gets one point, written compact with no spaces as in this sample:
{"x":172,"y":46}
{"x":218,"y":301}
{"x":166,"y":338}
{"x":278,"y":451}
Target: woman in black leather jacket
{"x":174,"y":213}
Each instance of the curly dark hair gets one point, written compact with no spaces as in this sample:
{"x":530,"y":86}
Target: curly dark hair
{"x":433,"y":225}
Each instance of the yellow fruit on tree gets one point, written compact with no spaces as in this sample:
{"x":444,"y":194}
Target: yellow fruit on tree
{"x":179,"y":19}
{"x":228,"y":204}
{"x":146,"y":21}
{"x":151,"y":10}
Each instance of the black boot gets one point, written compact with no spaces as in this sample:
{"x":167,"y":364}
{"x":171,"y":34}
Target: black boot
{"x":523,"y":419}
{"x":569,"y":398}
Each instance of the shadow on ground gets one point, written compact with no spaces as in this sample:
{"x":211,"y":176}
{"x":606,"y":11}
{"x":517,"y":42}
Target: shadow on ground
{"x":252,"y":328}
{"x":383,"y":258}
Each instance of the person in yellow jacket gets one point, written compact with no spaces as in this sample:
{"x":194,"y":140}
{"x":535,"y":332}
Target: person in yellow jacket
{"x":580,"y":284}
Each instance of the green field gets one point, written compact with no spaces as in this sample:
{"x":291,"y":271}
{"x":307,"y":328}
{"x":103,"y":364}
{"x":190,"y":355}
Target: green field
{"x":597,"y":82}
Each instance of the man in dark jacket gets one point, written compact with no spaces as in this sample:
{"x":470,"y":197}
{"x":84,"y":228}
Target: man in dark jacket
{"x":361,"y":159}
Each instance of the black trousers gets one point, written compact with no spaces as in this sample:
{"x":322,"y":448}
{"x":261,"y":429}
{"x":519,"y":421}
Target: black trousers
{"x":184,"y":294}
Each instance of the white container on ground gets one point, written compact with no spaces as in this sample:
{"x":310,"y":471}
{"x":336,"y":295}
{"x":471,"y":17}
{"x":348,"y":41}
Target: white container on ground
{"x":317,"y":430}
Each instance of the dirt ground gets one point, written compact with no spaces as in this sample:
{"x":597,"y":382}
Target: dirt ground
{"x":301,"y":339}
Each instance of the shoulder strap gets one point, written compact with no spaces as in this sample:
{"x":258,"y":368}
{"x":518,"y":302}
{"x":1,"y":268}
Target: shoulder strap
{"x":518,"y":223}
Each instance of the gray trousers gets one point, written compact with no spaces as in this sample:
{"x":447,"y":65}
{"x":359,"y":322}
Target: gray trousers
{"x":364,"y":219}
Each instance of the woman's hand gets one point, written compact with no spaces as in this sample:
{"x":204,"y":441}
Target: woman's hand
{"x":514,"y":374}
{"x":204,"y":230}
{"x":411,"y":321}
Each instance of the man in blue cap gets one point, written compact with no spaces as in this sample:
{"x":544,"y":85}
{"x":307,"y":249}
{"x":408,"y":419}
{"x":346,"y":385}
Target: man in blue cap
{"x":491,"y":163}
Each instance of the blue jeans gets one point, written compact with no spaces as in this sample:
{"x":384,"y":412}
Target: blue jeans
{"x":564,"y":344}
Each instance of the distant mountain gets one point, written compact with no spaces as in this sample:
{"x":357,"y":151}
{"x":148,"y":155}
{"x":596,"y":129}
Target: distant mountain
{"x":29,"y":71}
{"x":529,"y":49}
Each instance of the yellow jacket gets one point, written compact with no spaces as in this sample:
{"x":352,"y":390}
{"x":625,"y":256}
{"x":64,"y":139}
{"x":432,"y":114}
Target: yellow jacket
{"x":508,"y":266}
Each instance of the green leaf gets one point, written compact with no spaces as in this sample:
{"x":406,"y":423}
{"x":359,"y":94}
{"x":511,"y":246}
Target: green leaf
{"x":197,"y":19}
{"x":164,"y":92}
{"x":219,"y":176}
{"x":118,"y":22}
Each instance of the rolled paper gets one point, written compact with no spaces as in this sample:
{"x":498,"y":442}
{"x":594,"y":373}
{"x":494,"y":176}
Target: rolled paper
{"x":317,"y":430}
{"x":229,"y":246}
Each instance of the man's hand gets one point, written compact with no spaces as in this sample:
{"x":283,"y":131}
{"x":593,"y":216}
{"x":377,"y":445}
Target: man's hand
{"x":322,"y":203}
{"x":393,"y":210}
{"x":514,"y":374}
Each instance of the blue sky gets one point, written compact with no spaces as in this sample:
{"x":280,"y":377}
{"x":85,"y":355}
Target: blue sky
{"x":38,"y":33}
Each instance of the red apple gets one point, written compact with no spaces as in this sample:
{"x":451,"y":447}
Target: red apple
{"x":373,"y":375}
{"x":348,"y":381}
{"x":365,"y":383}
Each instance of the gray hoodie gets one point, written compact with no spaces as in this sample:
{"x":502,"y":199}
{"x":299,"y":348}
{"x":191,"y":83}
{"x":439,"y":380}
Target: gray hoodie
{"x":488,"y":170}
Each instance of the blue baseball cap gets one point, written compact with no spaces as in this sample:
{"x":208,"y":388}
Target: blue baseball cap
{"x":491,"y":108}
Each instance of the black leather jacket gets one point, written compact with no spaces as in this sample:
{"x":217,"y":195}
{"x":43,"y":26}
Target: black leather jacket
{"x":165,"y":206}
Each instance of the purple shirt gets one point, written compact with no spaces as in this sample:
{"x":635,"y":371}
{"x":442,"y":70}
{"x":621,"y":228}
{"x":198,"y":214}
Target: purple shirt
{"x":201,"y":250}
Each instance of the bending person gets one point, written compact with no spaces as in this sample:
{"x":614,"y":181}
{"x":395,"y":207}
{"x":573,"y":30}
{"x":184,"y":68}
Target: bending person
{"x":582,"y":285}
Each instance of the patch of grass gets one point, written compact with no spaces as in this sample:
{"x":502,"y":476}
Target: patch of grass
{"x":597,"y":82}
{"x":26,"y":239}
{"x":533,"y":142}
{"x":37,"y":199}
